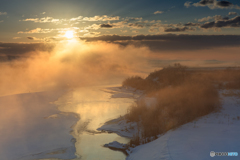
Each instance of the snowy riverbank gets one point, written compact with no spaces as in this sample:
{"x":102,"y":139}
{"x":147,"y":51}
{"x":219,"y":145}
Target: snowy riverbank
{"x":38,"y":130}
{"x":217,"y":132}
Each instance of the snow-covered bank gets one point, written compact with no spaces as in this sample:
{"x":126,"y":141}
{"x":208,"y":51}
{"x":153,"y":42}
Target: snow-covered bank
{"x":32,"y":128}
{"x":121,"y":127}
{"x":116,"y":146}
{"x":217,"y":132}
{"x":123,"y":92}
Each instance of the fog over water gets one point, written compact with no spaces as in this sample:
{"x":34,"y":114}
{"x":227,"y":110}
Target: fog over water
{"x":70,"y":64}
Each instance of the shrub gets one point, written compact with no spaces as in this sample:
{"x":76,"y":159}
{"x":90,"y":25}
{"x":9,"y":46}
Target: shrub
{"x":176,"y":106}
{"x":135,"y":82}
{"x":171,"y":75}
{"x":182,"y":94}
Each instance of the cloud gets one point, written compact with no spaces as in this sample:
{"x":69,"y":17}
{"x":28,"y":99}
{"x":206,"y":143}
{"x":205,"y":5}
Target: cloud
{"x":21,"y":49}
{"x":16,"y":37}
{"x":172,"y":42}
{"x":187,"y":4}
{"x":224,"y":4}
{"x":124,"y":31}
{"x":135,"y":25}
{"x":191,"y":24}
{"x":153,"y":30}
{"x":3,"y":13}
{"x":156,"y":25}
{"x":120,"y":24}
{"x":93,"y":26}
{"x":146,"y":21}
{"x":179,"y":29}
{"x":33,"y":38}
{"x":233,"y":22}
{"x":155,"y":21}
{"x":135,"y":31}
{"x":60,"y":33}
{"x":128,"y":19}
{"x":106,"y":26}
{"x":43,"y":20}
{"x":213,"y":4}
{"x":37,"y":30}
{"x":91,"y":34}
{"x":232,"y":13}
{"x":216,"y":18}
{"x":79,"y":18}
{"x":100,"y":18}
{"x":204,"y":2}
{"x":72,"y":20}
{"x":158,"y":12}
{"x":204,"y":19}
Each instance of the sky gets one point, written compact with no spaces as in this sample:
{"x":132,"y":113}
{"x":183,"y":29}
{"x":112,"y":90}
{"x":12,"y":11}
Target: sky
{"x":66,"y":42}
{"x":47,"y":21}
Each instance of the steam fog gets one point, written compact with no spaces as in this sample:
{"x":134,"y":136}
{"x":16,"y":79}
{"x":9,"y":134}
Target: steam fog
{"x":71,"y":63}
{"x":74,"y":63}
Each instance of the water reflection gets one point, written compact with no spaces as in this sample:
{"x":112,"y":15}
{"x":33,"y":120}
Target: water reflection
{"x":94,"y":107}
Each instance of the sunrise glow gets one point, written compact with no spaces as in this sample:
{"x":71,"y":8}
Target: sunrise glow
{"x":69,"y":34}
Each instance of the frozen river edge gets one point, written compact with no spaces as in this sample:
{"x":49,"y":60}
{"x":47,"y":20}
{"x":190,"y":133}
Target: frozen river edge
{"x":42,"y":130}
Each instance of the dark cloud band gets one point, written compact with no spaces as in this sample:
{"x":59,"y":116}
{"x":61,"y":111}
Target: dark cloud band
{"x":213,"y":4}
{"x":170,"y":42}
{"x":234,"y":22}
{"x":11,"y":51}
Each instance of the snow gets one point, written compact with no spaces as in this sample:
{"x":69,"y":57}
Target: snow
{"x":218,"y":132}
{"x":63,"y":153}
{"x":116,"y":145}
{"x":121,"y":127}
{"x":122,"y":95}
{"x":32,"y":128}
{"x":123,"y":92}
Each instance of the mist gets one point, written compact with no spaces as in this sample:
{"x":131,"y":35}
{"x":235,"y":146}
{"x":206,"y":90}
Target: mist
{"x":71,"y":63}
{"x":76,"y":63}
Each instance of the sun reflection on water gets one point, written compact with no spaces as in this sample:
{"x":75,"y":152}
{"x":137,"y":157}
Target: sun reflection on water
{"x":94,"y":108}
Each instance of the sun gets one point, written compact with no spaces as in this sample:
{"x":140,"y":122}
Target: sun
{"x":69,"y":34}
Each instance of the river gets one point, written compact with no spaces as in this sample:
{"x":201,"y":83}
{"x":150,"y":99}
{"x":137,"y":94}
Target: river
{"x":94,"y":106}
